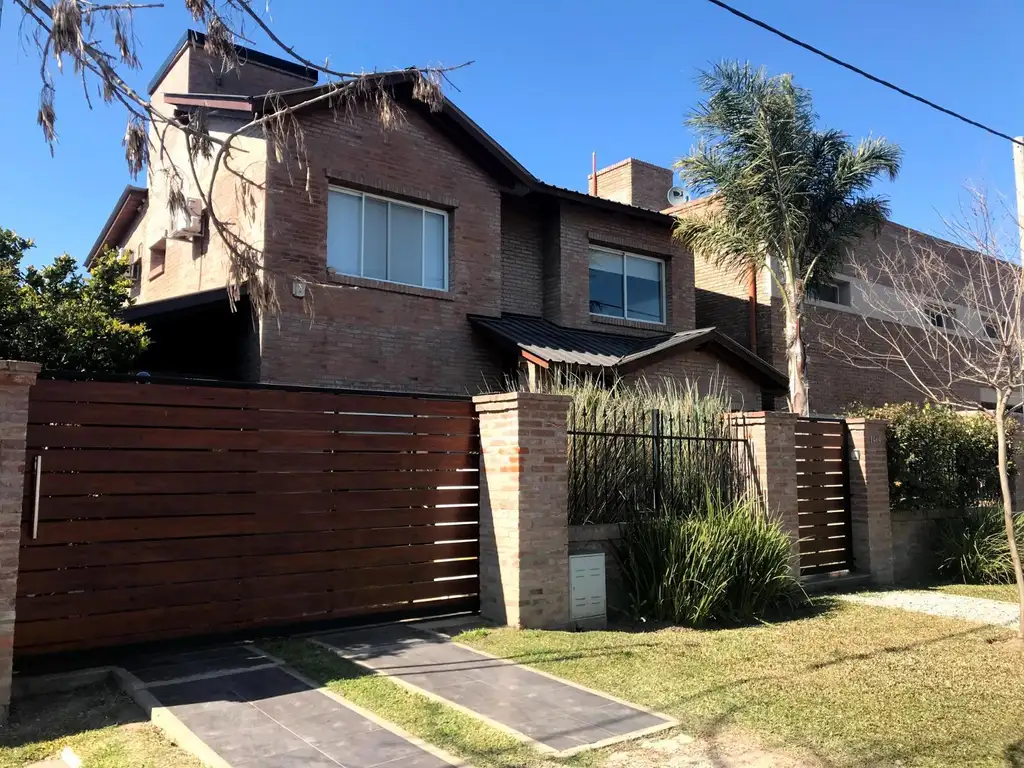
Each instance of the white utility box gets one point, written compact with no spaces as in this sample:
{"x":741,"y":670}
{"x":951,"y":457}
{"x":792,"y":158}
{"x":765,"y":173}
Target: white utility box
{"x":588,"y":606}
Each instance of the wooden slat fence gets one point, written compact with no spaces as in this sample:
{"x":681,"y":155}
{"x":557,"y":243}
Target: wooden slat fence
{"x":823,"y":493}
{"x":178,"y":510}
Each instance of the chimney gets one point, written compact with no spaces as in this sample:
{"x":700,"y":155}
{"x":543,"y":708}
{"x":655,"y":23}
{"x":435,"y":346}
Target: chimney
{"x":634,"y":182}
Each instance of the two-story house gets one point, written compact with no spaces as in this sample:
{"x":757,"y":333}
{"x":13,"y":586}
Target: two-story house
{"x":435,"y":261}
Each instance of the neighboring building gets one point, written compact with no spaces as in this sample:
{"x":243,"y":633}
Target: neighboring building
{"x":436,"y":262}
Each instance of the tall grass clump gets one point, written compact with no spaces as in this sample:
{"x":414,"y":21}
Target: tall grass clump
{"x":725,"y":563}
{"x":973,"y":549}
{"x":616,"y":467}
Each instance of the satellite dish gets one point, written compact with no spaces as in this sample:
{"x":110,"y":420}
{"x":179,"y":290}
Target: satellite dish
{"x":678,"y":196}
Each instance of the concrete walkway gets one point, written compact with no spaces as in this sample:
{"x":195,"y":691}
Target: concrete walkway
{"x":974,"y":609}
{"x":241,"y":709}
{"x":558,"y":716}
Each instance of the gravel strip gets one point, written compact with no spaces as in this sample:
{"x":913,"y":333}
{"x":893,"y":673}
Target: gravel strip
{"x":974,"y":609}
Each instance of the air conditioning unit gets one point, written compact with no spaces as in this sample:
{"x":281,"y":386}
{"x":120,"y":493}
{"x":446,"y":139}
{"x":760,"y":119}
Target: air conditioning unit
{"x":187,"y":224}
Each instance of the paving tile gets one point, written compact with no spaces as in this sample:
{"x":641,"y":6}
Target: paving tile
{"x":305,"y":757}
{"x":547,"y":710}
{"x":160,"y":667}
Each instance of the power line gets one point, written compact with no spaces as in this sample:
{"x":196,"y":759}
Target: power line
{"x":862,"y":73}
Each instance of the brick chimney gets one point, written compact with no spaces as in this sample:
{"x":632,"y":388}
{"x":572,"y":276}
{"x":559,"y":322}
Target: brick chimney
{"x":633,"y":182}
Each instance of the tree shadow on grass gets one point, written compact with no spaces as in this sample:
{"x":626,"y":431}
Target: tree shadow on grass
{"x":41,"y":719}
{"x":1014,"y":755}
{"x":802,"y":609}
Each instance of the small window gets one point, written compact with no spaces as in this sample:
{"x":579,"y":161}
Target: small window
{"x":832,"y":292}
{"x":942,"y":317}
{"x":369,"y":236}
{"x":991,"y":328}
{"x":626,"y":285}
{"x":136,"y":276}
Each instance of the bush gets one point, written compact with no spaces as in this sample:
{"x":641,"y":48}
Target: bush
{"x":613,"y":469}
{"x":729,"y":563}
{"x":940,"y":458}
{"x":974,"y":549}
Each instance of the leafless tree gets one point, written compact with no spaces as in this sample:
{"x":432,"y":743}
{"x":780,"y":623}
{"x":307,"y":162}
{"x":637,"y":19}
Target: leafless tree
{"x":97,"y":43}
{"x":949,"y":322}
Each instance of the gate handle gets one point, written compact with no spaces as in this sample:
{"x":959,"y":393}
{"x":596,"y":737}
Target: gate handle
{"x":35,"y":512}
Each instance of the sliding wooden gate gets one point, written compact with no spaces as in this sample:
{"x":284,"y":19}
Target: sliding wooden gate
{"x":823,"y":492}
{"x":156,"y":511}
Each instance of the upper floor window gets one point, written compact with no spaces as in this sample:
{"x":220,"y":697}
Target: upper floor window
{"x":370,"y":236}
{"x":832,"y":292}
{"x":941,"y":317}
{"x":626,"y":285}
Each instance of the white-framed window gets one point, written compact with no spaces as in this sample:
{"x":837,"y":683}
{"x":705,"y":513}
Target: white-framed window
{"x":990,"y":326}
{"x":831,"y":292}
{"x":941,"y":317}
{"x":626,"y":285}
{"x":384,"y":239}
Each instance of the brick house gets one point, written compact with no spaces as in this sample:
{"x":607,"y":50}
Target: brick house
{"x":424,"y":258}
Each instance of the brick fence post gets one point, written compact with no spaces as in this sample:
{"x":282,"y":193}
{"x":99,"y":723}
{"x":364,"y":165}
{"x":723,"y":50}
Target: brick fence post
{"x":15,"y":380}
{"x":524,"y":523}
{"x":771,"y":438}
{"x":871,"y":518}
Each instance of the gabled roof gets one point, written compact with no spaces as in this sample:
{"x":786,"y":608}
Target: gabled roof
{"x":198,"y":39}
{"x":553,"y":343}
{"x":125,"y":210}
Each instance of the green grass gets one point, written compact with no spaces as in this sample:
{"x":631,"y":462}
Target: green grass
{"x":440,"y":725}
{"x":103,"y":726}
{"x":1003,"y":592}
{"x":856,"y":686}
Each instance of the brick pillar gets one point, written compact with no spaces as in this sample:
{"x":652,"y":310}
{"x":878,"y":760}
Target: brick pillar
{"x":15,"y":380}
{"x":524,"y":523}
{"x":771,"y":436}
{"x":869,"y":500}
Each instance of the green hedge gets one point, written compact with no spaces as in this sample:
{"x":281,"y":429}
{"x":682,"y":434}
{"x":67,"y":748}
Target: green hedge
{"x":939,"y":458}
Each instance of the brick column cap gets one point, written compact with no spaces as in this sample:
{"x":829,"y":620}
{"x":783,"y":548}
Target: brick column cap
{"x":510,"y":401}
{"x":754,"y":418}
{"x":18,"y":372}
{"x":864,"y":422}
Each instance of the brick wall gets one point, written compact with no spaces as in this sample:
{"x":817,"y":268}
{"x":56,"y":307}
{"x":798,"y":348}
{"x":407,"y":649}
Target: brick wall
{"x":634,"y":182}
{"x":15,"y":380}
{"x":605,"y":539}
{"x":195,"y":71}
{"x":913,"y":543}
{"x":523,"y":229}
{"x":709,"y":374}
{"x":358,"y":332}
{"x":524,"y":546}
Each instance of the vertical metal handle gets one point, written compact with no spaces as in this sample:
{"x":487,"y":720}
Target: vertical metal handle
{"x":35,"y":511}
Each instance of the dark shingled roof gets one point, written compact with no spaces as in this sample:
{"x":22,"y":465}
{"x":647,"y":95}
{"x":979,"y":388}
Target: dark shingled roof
{"x":573,"y":346}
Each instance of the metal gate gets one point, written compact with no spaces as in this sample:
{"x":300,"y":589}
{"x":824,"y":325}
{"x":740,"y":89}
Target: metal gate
{"x":823,"y":493}
{"x":156,"y":510}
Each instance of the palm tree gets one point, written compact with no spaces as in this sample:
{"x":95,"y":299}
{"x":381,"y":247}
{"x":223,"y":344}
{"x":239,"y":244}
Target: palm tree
{"x":785,"y":196}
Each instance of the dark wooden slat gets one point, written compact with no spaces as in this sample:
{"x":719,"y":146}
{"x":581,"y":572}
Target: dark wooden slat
{"x":183,"y":550}
{"x":98,"y":507}
{"x":213,"y":617}
{"x":822,"y":518}
{"x":128,"y":437}
{"x":821,"y":544}
{"x":825,"y":530}
{"x":818,"y":476}
{"x":811,"y":571}
{"x":835,"y":453}
{"x":810,"y":427}
{"x":449,"y":605}
{"x":134,"y":598}
{"x":75,"y":484}
{"x":820,"y":492}
{"x":116,"y":414}
{"x":834,"y":442}
{"x":46,"y":390}
{"x":101,"y":460}
{"x":361,"y":561}
{"x":824,"y":558}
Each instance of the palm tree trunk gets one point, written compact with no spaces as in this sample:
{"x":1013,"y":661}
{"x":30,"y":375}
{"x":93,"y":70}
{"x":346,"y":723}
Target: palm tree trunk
{"x":1004,"y":486}
{"x":798,"y":402}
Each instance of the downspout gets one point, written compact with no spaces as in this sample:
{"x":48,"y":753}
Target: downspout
{"x":752,"y":308}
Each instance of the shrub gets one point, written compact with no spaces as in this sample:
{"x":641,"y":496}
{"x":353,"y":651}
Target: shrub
{"x":727,"y":563}
{"x":973,"y":549}
{"x":939,"y":458}
{"x":613,"y":467}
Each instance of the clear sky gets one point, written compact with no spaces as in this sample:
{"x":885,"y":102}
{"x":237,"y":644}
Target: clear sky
{"x":554,"y":80}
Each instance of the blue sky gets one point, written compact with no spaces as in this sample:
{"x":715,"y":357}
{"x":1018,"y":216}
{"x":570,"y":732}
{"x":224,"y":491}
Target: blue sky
{"x":553,"y":81}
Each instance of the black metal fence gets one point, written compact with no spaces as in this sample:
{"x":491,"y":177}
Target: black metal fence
{"x":643,"y":462}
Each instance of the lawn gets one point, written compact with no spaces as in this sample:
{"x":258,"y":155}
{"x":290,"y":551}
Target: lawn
{"x":854,"y":686}
{"x":1003,"y":592}
{"x":103,"y":726}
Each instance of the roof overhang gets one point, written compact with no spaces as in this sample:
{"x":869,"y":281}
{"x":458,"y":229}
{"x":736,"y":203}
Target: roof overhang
{"x":125,"y":211}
